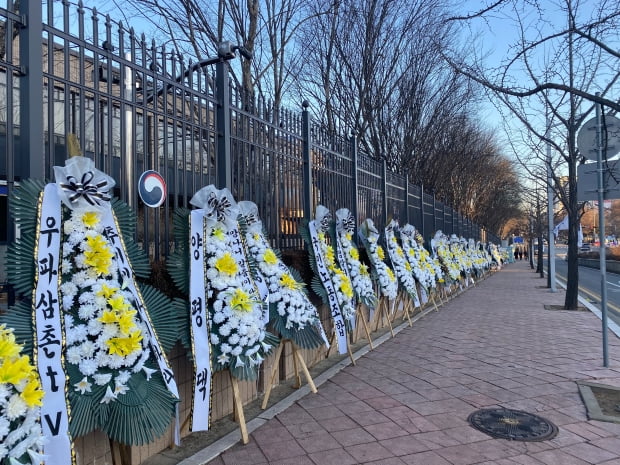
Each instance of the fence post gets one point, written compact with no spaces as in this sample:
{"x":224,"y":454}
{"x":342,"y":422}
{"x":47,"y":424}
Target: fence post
{"x":422,"y":210}
{"x":407,"y":199}
{"x":385,"y":194}
{"x":223,"y":174}
{"x":307,"y":158}
{"x":434,"y":213}
{"x":31,"y":91}
{"x":354,"y":155}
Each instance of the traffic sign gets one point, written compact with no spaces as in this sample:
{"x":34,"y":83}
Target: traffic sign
{"x":587,"y":142}
{"x":587,"y":181}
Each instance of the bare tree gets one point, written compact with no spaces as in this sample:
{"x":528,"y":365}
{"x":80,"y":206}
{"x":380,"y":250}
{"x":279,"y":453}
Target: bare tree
{"x":548,"y":80}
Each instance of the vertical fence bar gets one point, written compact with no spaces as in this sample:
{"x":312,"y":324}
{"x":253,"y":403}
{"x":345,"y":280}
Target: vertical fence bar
{"x":223,"y":174}
{"x":31,"y":90}
{"x":385,"y":192}
{"x":407,"y":199}
{"x":434,"y":213}
{"x":422,"y":210}
{"x":307,"y":158}
{"x":354,"y":154}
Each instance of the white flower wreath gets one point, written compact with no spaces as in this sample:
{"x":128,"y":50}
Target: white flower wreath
{"x":342,"y":283}
{"x":357,"y":271}
{"x":20,"y":401}
{"x":237,"y":331}
{"x":446,"y":257}
{"x":388,"y":284}
{"x":401,"y":265}
{"x":419,"y":258}
{"x":285,"y":292}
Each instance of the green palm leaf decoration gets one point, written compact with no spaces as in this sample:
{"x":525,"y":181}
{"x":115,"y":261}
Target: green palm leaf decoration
{"x":177,"y":263}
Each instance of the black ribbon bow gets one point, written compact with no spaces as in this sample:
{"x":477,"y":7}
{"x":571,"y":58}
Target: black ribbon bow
{"x":220,"y":208}
{"x":83,"y":188}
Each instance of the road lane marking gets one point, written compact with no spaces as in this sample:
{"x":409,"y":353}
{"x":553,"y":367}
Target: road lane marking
{"x":610,"y":306}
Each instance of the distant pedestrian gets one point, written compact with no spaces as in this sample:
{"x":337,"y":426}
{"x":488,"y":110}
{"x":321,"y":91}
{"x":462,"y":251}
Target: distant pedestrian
{"x":520,"y":253}
{"x":516,"y":253}
{"x":525,"y":254}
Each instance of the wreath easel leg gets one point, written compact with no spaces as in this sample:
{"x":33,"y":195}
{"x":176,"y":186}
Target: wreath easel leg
{"x":120,"y":453}
{"x":304,"y":368}
{"x":238,"y":409}
{"x":359,"y":314}
{"x":272,"y":375}
{"x":407,"y":309}
{"x":297,"y":384}
{"x":298,"y":361}
{"x":382,"y":314}
{"x":350,"y":352}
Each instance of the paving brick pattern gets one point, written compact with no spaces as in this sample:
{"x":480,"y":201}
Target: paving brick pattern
{"x":407,"y":401}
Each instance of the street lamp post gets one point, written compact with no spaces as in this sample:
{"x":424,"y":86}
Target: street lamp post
{"x":550,"y":236}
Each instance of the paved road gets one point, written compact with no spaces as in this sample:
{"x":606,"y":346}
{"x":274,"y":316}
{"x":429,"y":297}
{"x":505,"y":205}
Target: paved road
{"x":590,"y":284}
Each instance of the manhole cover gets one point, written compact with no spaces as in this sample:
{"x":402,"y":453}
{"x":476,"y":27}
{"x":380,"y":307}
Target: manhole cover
{"x":512,"y":424}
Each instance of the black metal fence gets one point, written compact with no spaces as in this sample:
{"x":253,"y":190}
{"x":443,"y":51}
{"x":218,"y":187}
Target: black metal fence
{"x":73,"y":80}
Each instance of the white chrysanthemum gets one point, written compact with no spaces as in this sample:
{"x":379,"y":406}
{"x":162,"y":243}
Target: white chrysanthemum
{"x":73,"y":355}
{"x":16,"y":407}
{"x":88,"y":366}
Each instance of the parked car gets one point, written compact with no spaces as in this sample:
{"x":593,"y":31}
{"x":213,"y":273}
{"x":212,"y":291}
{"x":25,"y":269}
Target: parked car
{"x":585,"y":248}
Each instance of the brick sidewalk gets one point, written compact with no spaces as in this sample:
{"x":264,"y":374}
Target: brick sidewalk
{"x":407,"y":401}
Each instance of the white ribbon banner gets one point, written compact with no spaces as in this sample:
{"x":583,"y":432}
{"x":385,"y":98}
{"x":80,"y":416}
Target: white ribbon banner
{"x":235,"y":245}
{"x":50,"y":342}
{"x":111,"y":232}
{"x":201,"y":349}
{"x":334,"y":307}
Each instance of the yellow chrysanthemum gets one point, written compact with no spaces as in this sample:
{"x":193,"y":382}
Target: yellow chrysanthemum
{"x":107,"y":291}
{"x":241,"y":301}
{"x":287,"y":281}
{"x":98,"y":254}
{"x":8,"y":347}
{"x":270,"y":257}
{"x":329,"y":255}
{"x":14,"y":370}
{"x":218,"y":233}
{"x":108,"y":317}
{"x":117,"y":302}
{"x":390,"y":274}
{"x":399,"y":252}
{"x":126,"y":321}
{"x":355,"y":255}
{"x":90,"y":219}
{"x":380,"y":253}
{"x":364,"y":269}
{"x":345,"y":287}
{"x":226,"y":264}
{"x":348,"y":236}
{"x":407,"y":266}
{"x":32,"y":393}
{"x":124,"y":346}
